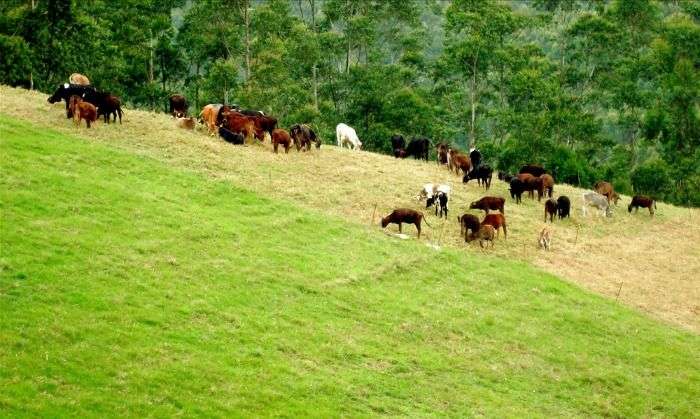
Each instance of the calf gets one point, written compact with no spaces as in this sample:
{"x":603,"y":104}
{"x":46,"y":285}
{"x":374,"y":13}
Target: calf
{"x":545,"y":185}
{"x":535,"y":170}
{"x":433,"y":196}
{"x":497,"y":221}
{"x":489,"y":203}
{"x":545,"y":239}
{"x":458,"y":161}
{"x":111,"y":105}
{"x":442,"y":199}
{"x":563,"y":206}
{"x":468,"y":222}
{"x":442,"y":150}
{"x":185,"y":123}
{"x":641,"y":201}
{"x":82,"y":110}
{"x":597,"y":201}
{"x":230,"y":136}
{"x":280,"y":136}
{"x":404,"y":215}
{"x":482,"y":174}
{"x":550,"y":208}
{"x":606,"y":189}
{"x":485,"y":233}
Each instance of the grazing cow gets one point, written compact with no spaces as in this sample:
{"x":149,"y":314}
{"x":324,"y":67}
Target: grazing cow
{"x":535,"y":170}
{"x":432,"y":193}
{"x":475,"y":157}
{"x":597,"y":201}
{"x":230,"y":136}
{"x":545,"y":185}
{"x":482,"y":174}
{"x":468,"y":222}
{"x":418,"y":148}
{"x":66,"y":90}
{"x":487,"y":233}
{"x":178,"y":106}
{"x":442,"y":153}
{"x":185,"y":123}
{"x":607,"y":190}
{"x":563,"y":206}
{"x":404,"y":215}
{"x":280,"y":136}
{"x":504,"y":176}
{"x":545,"y":239}
{"x":345,"y":134}
{"x":530,"y":183}
{"x":303,"y":136}
{"x":497,"y":221}
{"x":398,"y":144}
{"x":517,"y":187}
{"x":550,"y":208}
{"x":82,"y":110}
{"x":489,"y":203}
{"x":110,"y":105}
{"x":641,"y":201}
{"x":245,"y":125}
{"x":458,"y":161}
{"x":77,"y":78}
{"x":442,"y":200}
{"x":210,"y":117}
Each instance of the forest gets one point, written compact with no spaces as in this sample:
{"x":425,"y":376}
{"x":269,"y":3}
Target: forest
{"x":594,"y":90}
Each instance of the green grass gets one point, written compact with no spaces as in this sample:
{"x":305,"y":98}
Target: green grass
{"x":130,"y":288}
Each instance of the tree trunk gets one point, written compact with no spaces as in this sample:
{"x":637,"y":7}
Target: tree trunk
{"x":314,"y":69}
{"x":472,"y":97}
{"x":246,"y":19}
{"x":31,"y":80}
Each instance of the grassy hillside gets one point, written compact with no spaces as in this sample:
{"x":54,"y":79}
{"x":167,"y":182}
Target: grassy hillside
{"x":129,"y":287}
{"x":650,"y":264}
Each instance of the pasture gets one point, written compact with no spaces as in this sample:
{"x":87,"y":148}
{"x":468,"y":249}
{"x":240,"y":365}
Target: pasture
{"x":130,"y":286}
{"x":650,"y":264}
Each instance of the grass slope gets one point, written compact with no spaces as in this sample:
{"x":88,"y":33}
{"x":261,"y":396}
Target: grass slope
{"x":649,"y":264}
{"x":128,"y":287}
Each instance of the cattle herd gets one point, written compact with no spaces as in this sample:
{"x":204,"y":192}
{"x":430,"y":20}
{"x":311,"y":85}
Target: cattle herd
{"x":236,"y":125}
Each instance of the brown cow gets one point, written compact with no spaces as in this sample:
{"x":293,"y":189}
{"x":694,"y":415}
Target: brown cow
{"x":280,"y":136}
{"x":486,"y":233}
{"x":237,"y":122}
{"x":550,"y":208}
{"x":489,"y":203}
{"x":442,"y":150}
{"x":497,"y":221}
{"x":82,"y":110}
{"x":404,"y":215}
{"x":208,"y":117}
{"x":607,"y":190}
{"x":529,"y":183}
{"x":77,"y":78}
{"x":545,"y":184}
{"x":178,"y":106}
{"x":641,"y":201}
{"x":468,"y":222}
{"x":458,"y":161}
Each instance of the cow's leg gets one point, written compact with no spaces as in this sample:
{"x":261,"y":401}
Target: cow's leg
{"x":399,"y":227}
{"x":418,"y":228}
{"x":505,"y":231}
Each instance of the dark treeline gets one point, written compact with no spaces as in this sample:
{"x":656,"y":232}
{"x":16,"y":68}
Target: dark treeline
{"x":593,"y":90}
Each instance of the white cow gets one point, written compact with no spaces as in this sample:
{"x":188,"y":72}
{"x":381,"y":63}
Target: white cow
{"x":598,"y":201}
{"x":345,"y":134}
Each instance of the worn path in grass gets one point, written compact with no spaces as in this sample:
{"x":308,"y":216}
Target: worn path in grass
{"x":651,"y":264}
{"x":130,"y":288}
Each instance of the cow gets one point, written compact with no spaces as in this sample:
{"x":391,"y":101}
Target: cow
{"x":178,"y":106}
{"x":432,"y":193}
{"x":303,"y":136}
{"x":82,"y":110}
{"x":504,"y":176}
{"x":497,"y":221}
{"x":597,"y":201}
{"x":66,"y":90}
{"x":535,"y":170}
{"x":545,"y":185}
{"x":487,"y":233}
{"x":398,"y":144}
{"x":545,"y":238}
{"x":442,"y":153}
{"x":418,"y":148}
{"x":563,"y":206}
{"x":517,"y":187}
{"x":185,"y":123}
{"x":607,"y":190}
{"x":210,"y":117}
{"x":489,"y":203}
{"x":110,"y":105}
{"x":404,"y":215}
{"x":245,"y":125}
{"x":530,"y":183}
{"x":345,"y":134}
{"x":458,"y":161}
{"x":280,"y":136}
{"x":641,"y":201}
{"x":483,"y":175}
{"x":551,"y":209}
{"x":468,"y":222}
{"x":230,"y":136}
{"x":475,"y":157}
{"x":77,"y":78}
{"x":442,"y":198}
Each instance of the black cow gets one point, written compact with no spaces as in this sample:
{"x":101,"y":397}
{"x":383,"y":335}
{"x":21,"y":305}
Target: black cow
{"x":65,"y":91}
{"x":563,"y":206}
{"x":109,"y":105}
{"x":398,"y":144}
{"x":535,"y":170}
{"x":230,"y":136}
{"x":475,"y":157}
{"x":178,"y":106}
{"x":303,"y":136}
{"x":517,"y":187}
{"x":418,"y":148}
{"x":482,"y":174}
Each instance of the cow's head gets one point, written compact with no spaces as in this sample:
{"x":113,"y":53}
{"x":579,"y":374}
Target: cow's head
{"x":384,"y":222}
{"x":59,"y":94}
{"x":430,"y":201}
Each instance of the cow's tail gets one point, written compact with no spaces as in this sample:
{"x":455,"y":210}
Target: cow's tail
{"x":654,"y":204}
{"x":426,"y":221}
